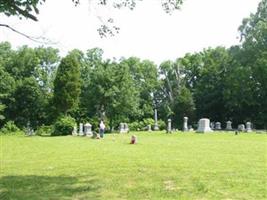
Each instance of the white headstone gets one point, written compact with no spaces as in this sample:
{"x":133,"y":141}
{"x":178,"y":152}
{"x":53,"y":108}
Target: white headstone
{"x":88,"y":129}
{"x":228,"y":125}
{"x":204,"y":126}
{"x":169,"y":128}
{"x":124,"y":128}
{"x":218,"y":126}
{"x":156,"y":127}
{"x":241,"y":127}
{"x":74,"y":131}
{"x":185,"y":127}
{"x":248,"y":127}
{"x":81,"y":129}
{"x":149,"y":127}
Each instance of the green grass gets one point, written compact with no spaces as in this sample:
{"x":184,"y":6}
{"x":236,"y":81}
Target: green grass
{"x":160,"y":166}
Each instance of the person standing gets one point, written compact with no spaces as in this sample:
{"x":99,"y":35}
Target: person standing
{"x":102,"y":129}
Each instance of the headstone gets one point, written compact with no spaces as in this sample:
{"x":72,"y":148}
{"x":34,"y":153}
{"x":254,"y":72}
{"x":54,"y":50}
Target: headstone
{"x":156,"y":127}
{"x":29,"y":130}
{"x":81,"y":129}
{"x":149,"y":127}
{"x":241,"y":127}
{"x":228,"y":125}
{"x":218,"y":126}
{"x":248,"y":127}
{"x":185,"y":127}
{"x":124,"y":128}
{"x":204,"y":126}
{"x":74,"y":131}
{"x":88,"y":129}
{"x":133,"y":139}
{"x":169,"y":127}
{"x":212,"y":125}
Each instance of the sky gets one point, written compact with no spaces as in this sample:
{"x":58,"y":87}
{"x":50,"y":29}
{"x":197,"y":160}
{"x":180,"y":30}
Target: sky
{"x":146,"y":32}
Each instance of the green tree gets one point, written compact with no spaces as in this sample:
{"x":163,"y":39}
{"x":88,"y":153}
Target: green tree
{"x":67,"y":86}
{"x":145,"y":76}
{"x":29,"y":104}
{"x":175,"y":100}
{"x":209,"y":89}
{"x":110,"y":92}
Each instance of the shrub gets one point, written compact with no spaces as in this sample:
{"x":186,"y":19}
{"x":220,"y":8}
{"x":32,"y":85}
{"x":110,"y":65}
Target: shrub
{"x":63,"y":126}
{"x":44,"y":130}
{"x":149,"y":121}
{"x":10,"y":127}
{"x":134,"y":126}
{"x":161,"y":124}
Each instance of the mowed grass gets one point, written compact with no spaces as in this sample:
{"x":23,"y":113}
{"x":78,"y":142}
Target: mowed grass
{"x":160,"y":166}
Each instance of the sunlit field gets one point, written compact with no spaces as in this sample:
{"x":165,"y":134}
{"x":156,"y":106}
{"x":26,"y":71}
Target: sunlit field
{"x":159,"y":166}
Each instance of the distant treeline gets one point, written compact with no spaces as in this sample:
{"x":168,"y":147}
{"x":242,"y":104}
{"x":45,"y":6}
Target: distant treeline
{"x":37,"y":86}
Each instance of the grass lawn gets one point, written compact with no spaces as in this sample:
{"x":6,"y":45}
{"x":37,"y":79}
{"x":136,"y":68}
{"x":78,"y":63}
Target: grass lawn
{"x":160,"y":166}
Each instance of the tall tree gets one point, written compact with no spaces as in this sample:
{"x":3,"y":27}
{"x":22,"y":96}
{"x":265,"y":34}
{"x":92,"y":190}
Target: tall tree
{"x":29,"y":104}
{"x":67,"y":86}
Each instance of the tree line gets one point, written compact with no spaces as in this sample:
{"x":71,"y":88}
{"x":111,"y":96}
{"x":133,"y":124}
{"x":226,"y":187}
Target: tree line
{"x":37,"y":86}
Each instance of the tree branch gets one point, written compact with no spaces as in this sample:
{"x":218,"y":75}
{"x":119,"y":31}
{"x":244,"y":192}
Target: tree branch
{"x":34,"y":39}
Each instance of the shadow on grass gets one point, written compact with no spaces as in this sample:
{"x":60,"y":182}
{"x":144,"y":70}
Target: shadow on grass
{"x":46,"y":187}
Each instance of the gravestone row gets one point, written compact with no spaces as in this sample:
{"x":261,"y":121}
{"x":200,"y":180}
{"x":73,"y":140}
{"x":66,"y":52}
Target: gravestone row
{"x":85,"y":129}
{"x":204,"y":125}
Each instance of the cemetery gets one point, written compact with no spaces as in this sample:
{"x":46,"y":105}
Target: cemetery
{"x":168,"y":121}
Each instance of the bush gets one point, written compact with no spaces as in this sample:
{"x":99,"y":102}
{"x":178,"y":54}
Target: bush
{"x":44,"y":130}
{"x":63,"y":126}
{"x":142,"y":125}
{"x":161,"y":124}
{"x":10,"y":127}
{"x":149,"y":121}
{"x":134,"y":126}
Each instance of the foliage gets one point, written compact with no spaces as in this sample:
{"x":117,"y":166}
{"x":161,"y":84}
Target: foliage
{"x":2,"y":107}
{"x":63,"y":126}
{"x":135,"y":126}
{"x":9,"y":127}
{"x":218,"y":83}
{"x":26,"y":8}
{"x":141,"y":125}
{"x":162,"y":125}
{"x":67,"y":84}
{"x":109,"y":91}
{"x":29,"y":105}
{"x":44,"y":130}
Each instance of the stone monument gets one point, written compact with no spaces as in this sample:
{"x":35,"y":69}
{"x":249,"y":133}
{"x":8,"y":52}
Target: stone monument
{"x":74,"y":131}
{"x":185,"y":126}
{"x":229,"y":126}
{"x":156,"y":126}
{"x":169,"y":127}
{"x":218,"y":126}
{"x":124,"y":128}
{"x":212,"y":125}
{"x":204,"y":126}
{"x":88,"y":129}
{"x":149,"y":128}
{"x":81,"y":129}
{"x":241,"y":127}
{"x":248,"y":127}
